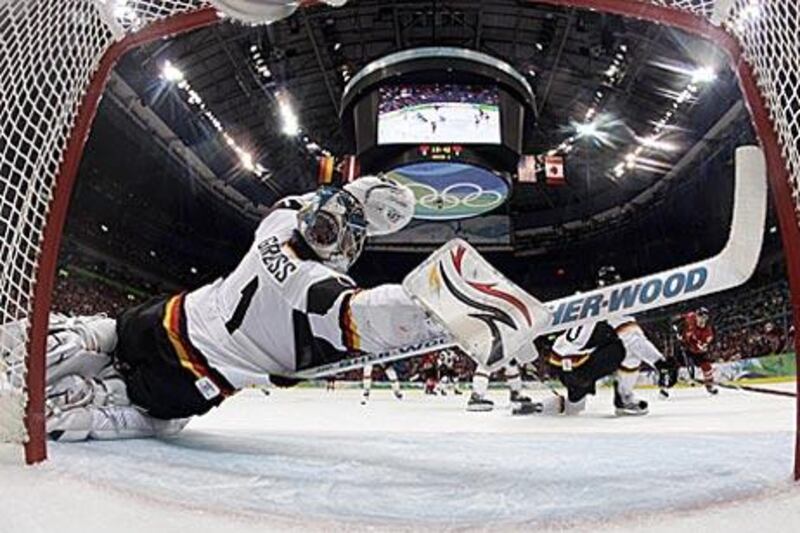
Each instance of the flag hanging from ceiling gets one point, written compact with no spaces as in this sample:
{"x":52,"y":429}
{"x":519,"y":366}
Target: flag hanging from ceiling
{"x":526,"y":169}
{"x":554,"y":170}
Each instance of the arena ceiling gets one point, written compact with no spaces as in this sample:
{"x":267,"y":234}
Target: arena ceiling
{"x":620,"y":74}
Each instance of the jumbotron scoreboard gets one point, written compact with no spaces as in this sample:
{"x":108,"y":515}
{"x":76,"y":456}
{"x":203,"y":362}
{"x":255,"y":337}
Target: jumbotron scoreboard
{"x":448,"y":122}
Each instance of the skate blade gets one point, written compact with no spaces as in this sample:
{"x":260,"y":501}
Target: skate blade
{"x":479,"y":408}
{"x":530,"y":408}
{"x":630,"y":412}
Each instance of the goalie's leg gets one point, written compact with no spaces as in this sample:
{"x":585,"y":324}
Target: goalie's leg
{"x":80,"y":408}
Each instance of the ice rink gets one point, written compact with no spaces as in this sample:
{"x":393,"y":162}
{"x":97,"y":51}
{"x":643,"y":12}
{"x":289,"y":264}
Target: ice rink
{"x":311,"y":459}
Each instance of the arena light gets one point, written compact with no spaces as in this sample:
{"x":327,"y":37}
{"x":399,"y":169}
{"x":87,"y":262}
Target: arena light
{"x":291,"y":125}
{"x":247,"y":160}
{"x":703,"y":75}
{"x":654,"y":143}
{"x":587,"y":129}
{"x":171,"y":73}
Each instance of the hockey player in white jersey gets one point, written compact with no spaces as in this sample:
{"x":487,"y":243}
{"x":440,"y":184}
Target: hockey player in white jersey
{"x":583,"y":354}
{"x":448,"y":376}
{"x":478,"y":402}
{"x":287,"y":306}
{"x":366,"y":382}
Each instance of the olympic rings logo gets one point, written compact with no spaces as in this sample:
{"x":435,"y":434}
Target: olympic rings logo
{"x":448,"y":199}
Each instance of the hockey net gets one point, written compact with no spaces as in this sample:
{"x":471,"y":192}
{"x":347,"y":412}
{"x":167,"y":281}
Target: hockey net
{"x":55,"y":56}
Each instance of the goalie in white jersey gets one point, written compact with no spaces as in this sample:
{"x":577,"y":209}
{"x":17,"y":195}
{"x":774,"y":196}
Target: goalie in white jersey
{"x":287,"y":306}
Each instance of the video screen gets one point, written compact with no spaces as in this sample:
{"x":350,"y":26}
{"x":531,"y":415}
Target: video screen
{"x":439,"y":113}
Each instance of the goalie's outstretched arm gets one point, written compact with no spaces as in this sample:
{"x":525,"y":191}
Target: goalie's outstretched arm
{"x":346,"y":321}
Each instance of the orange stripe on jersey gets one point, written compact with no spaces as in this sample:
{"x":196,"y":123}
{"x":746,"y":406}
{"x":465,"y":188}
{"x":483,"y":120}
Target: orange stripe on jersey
{"x":188,"y":356}
{"x":172,"y":327}
{"x":350,"y":336}
{"x":577,"y":360}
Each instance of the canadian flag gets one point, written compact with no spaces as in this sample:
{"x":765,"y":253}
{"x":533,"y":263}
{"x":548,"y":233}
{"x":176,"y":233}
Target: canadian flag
{"x":554,"y":170}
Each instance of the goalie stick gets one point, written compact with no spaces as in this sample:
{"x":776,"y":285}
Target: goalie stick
{"x":730,"y":268}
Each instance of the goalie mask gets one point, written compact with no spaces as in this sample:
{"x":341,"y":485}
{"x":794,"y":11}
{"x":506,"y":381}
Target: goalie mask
{"x":388,"y":205}
{"x":334,"y":227}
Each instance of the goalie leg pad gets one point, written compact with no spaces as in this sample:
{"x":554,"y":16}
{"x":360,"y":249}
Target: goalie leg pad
{"x":67,"y":355}
{"x":97,"y":333}
{"x":109,"y":423}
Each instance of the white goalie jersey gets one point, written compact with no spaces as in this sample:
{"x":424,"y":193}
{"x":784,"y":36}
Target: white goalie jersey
{"x":280,"y":312}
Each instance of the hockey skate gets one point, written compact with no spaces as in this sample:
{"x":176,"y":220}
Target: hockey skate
{"x":527,"y":408}
{"x":398,"y":394}
{"x":711,"y":389}
{"x":516,"y":397}
{"x":477,"y":403}
{"x":630,"y":405}
{"x":365,"y":397}
{"x":663,"y":394}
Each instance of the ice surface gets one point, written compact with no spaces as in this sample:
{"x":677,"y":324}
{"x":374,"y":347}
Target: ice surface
{"x":306,"y":458}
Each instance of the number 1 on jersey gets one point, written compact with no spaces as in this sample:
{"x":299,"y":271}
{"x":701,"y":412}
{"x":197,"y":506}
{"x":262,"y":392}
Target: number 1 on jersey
{"x":247,"y":292}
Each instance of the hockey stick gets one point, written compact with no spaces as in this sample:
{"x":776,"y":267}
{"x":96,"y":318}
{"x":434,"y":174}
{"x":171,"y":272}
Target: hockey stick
{"x":730,"y":268}
{"x":732,"y":385}
{"x":361,"y":360}
{"x":750,"y":388}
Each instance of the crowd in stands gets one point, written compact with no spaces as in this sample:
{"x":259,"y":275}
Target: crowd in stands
{"x":77,"y":294}
{"x":398,"y":97}
{"x":748,"y":323}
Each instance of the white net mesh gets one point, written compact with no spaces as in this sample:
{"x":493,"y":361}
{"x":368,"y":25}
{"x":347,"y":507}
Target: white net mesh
{"x":49,"y":50}
{"x":769,"y":32}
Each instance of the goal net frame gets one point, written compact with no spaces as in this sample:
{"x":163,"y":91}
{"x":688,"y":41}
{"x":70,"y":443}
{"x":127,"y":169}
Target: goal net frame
{"x":747,"y":55}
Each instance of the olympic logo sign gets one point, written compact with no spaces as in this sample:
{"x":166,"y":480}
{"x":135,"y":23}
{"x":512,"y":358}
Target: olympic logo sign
{"x":456,"y":196}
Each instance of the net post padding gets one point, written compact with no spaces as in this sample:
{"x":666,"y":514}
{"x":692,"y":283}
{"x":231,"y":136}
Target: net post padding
{"x":777,"y":167}
{"x":35,"y":447}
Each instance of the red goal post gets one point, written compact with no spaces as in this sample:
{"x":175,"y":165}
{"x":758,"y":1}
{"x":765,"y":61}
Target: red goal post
{"x":56,"y":55}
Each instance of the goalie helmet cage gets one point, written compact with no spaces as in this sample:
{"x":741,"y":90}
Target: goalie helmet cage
{"x":56,"y":55}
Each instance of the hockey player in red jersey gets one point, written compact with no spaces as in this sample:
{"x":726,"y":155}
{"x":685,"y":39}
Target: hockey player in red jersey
{"x":696,"y":335}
